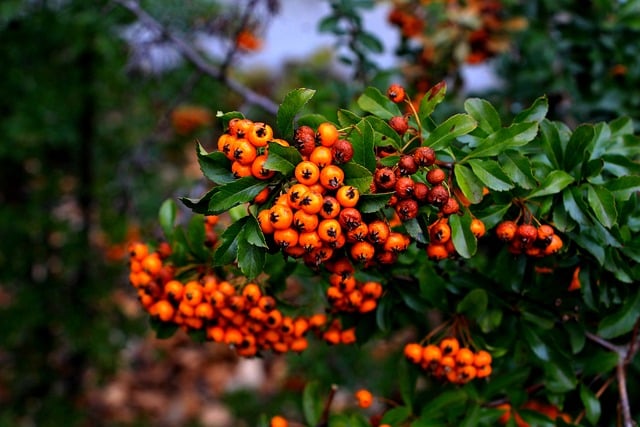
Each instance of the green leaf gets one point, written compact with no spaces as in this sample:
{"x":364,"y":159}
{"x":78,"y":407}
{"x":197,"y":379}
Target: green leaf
{"x":551,"y":142}
{"x":196,"y":236}
{"x":253,"y":233}
{"x":432,"y":98}
{"x":491,"y":174}
{"x":553,"y":183}
{"x":624,"y":187}
{"x":232,"y":194}
{"x":444,"y":400}
{"x":167,"y":217}
{"x":575,"y":206}
{"x":312,"y":403}
{"x":227,"y":252}
{"x":464,"y":241}
{"x":491,"y":215}
{"x":516,"y":135}
{"x":577,"y":151}
{"x":225,"y":118}
{"x":396,"y":415}
{"x":311,"y":120}
{"x":621,"y":321}
{"x":293,"y":102}
{"x":484,"y":113}
{"x":466,"y":180}
{"x":415,"y":230}
{"x":453,"y":127}
{"x":374,"y":102}
{"x":535,"y":113}
{"x":251,"y":258}
{"x":357,"y":176}
{"x":559,"y":376}
{"x":215,"y":166}
{"x":474,"y":304}
{"x":518,"y":168}
{"x":384,"y":134}
{"x":591,"y":404}
{"x":577,"y":337}
{"x":370,"y":41}
{"x":162,"y":329}
{"x":537,"y":346}
{"x":407,"y":378}
{"x":369,"y":203}
{"x":603,"y":205}
{"x":201,"y":205}
{"x":362,"y":142}
{"x":348,"y":118}
{"x":282,"y":159}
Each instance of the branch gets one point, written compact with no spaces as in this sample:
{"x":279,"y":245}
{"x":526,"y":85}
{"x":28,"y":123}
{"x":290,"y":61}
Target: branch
{"x":193,"y":56}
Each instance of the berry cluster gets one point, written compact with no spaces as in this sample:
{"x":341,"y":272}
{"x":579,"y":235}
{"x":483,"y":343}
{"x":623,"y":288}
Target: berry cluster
{"x":448,"y":360}
{"x":528,"y":239}
{"x":346,"y":294}
{"x":315,"y":217}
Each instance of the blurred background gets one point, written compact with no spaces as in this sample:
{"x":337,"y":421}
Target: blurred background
{"x":101,"y":104}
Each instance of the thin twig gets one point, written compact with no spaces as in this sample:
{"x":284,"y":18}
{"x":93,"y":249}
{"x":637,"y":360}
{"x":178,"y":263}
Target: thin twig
{"x":193,"y":56}
{"x":324,"y":418}
{"x":604,"y":343}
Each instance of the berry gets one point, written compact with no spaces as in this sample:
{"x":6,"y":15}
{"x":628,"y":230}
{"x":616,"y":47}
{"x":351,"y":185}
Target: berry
{"x":364,"y":398}
{"x":506,"y":230}
{"x":424,"y":156}
{"x":400,"y":124}
{"x":438,"y":195}
{"x":384,"y":179}
{"x":342,"y":151}
{"x":407,"y":165}
{"x":396,"y":93}
{"x":436,"y":176}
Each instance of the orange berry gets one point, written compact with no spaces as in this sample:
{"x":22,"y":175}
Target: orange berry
{"x":396,"y":93}
{"x":437,"y":252}
{"x":477,"y":228}
{"x":348,"y":196}
{"x":449,"y":346}
{"x":464,"y":357}
{"x":364,"y":398}
{"x":307,"y":172}
{"x":163,"y":310}
{"x":258,"y":170}
{"x":431,"y":354}
{"x":506,"y":230}
{"x":331,"y":177}
{"x":327,"y":134}
{"x":482,"y":358}
{"x":321,"y":156}
{"x":413,"y":352}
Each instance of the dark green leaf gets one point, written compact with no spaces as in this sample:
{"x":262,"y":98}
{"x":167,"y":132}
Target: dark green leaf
{"x":371,"y":42}
{"x":577,"y":336}
{"x":464,"y":241}
{"x":591,"y":404}
{"x":362,"y":141}
{"x":490,"y":320}
{"x":415,"y":231}
{"x":516,"y":135}
{"x":227,"y":252}
{"x":215,"y":166}
{"x":407,"y":378}
{"x":396,"y":415}
{"x":537,"y":346}
{"x":369,"y":203}
{"x":491,"y":174}
{"x":551,"y":142}
{"x":474,"y":304}
{"x":282,"y":159}
{"x":470,"y":185}
{"x":492,"y":214}
{"x":577,"y":150}
{"x":621,"y":321}
{"x":575,"y":205}
{"x":253,"y":233}
{"x":621,"y":165}
{"x":374,"y":102}
{"x":444,"y":400}
{"x":162,"y":329}
{"x":624,"y":187}
{"x":167,"y":217}
{"x":232,"y":194}
{"x":201,"y":205}
{"x":602,"y":204}
{"x":290,"y":107}
{"x":432,"y":98}
{"x":518,"y":168}
{"x":357,"y":176}
{"x":535,"y":113}
{"x":559,"y":375}
{"x":196,"y":236}
{"x":553,"y":183}
{"x":453,"y":127}
{"x":311,"y":120}
{"x":329,"y":24}
{"x":484,"y":113}
{"x":251,"y":258}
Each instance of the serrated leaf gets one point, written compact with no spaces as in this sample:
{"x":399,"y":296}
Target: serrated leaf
{"x":553,"y":183}
{"x":357,"y":176}
{"x":369,"y":203}
{"x":474,"y":304}
{"x":415,"y":230}
{"x":623,"y":187}
{"x":374,"y":102}
{"x":363,"y":147}
{"x":551,"y":142}
{"x":293,"y":102}
{"x":577,"y":150}
{"x":282,"y":159}
{"x":348,"y":118}
{"x":518,"y":168}
{"x":253,"y":233}
{"x":535,"y":113}
{"x":251,"y":258}
{"x":227,"y":252}
{"x":433,"y":97}
{"x":453,"y":127}
{"x":516,"y":135}
{"x":167,"y":217}
{"x":491,"y":215}
{"x":603,"y":205}
{"x":215,"y":166}
{"x":463,"y":239}
{"x":201,"y":205}
{"x":591,"y":404}
{"x":623,"y":320}
{"x":484,"y":113}
{"x":575,"y":205}
{"x":468,"y":183}
{"x":229,"y":195}
{"x":384,"y":134}
{"x":491,"y":174}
